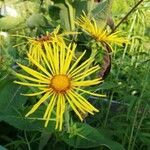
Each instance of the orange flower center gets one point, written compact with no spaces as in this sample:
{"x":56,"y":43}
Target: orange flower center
{"x":60,"y":83}
{"x":43,"y":38}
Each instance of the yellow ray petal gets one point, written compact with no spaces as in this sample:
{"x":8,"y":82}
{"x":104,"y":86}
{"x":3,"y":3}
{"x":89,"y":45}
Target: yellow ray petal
{"x":35,"y":107}
{"x":76,"y":103}
{"x":74,"y":108}
{"x":30,"y":84}
{"x":34,"y":73}
{"x":50,"y":56}
{"x":39,"y":66}
{"x":90,"y":93}
{"x":51,"y":101}
{"x":34,"y":94}
{"x":62,"y":112}
{"x":79,"y":105}
{"x":76,"y":62}
{"x":46,"y":62}
{"x":58,"y":109}
{"x":86,"y":73}
{"x":56,"y":58}
{"x":85,"y":102}
{"x":32,"y":79}
{"x":86,"y":82}
{"x":62,"y":58}
{"x":69,"y":56}
{"x":49,"y":109}
{"x":82,"y":67}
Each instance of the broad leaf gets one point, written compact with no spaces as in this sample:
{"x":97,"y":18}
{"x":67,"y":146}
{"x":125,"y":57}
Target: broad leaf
{"x":102,"y":10}
{"x":36,"y":20}
{"x":12,"y":109}
{"x":66,"y":13}
{"x":84,"y":136}
{"x":9,"y":22}
{"x":2,"y":148}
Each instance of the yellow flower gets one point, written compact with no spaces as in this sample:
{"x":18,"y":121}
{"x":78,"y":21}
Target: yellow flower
{"x":36,"y":45}
{"x":99,"y":34}
{"x":60,"y":80}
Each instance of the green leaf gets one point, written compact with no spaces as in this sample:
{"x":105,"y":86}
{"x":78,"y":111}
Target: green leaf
{"x":53,"y":13}
{"x":45,"y":136}
{"x":79,"y":6}
{"x":9,"y":22}
{"x":66,"y":14}
{"x":18,"y":120}
{"x":12,"y":109}
{"x":90,"y":6}
{"x":36,"y":20}
{"x":84,"y":136}
{"x":2,"y":148}
{"x":102,"y":10}
{"x":64,"y":17}
{"x":10,"y":96}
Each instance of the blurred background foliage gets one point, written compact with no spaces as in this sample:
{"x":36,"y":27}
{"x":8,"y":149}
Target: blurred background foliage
{"x":123,"y":121}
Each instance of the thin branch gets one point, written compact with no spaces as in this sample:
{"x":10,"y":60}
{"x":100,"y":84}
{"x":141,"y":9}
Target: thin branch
{"x":126,"y":16}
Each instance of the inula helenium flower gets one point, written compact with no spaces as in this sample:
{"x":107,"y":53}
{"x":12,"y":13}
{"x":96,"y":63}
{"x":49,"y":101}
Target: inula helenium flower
{"x":36,"y":45}
{"x":99,"y":34}
{"x":60,"y":80}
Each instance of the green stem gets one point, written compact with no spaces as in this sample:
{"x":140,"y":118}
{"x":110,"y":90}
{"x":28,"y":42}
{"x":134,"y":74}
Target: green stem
{"x":137,"y":110}
{"x":71,"y":15}
{"x":125,"y":49}
{"x":127,"y":15}
{"x":125,"y":136}
{"x":133,"y":125}
{"x":129,"y":35}
{"x":108,"y":110}
{"x":139,"y":125}
{"x":28,"y":144}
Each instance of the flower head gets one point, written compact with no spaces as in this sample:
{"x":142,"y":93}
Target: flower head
{"x":99,"y":34}
{"x":60,"y":80}
{"x":36,"y":45}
